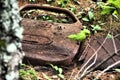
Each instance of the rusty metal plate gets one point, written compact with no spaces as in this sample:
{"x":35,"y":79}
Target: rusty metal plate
{"x":47,"y":42}
{"x":106,"y":51}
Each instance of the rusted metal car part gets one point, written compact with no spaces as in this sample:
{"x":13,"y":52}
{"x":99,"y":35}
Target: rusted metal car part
{"x":47,"y":42}
{"x":106,"y":51}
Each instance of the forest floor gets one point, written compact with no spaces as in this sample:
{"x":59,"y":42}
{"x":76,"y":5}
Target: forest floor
{"x":48,"y":72}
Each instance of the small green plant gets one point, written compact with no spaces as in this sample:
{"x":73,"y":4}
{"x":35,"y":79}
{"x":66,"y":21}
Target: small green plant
{"x":111,"y":7}
{"x":32,"y":0}
{"x":63,"y":3}
{"x":49,"y":1}
{"x":109,"y":36}
{"x":28,"y":73}
{"x":46,"y":77}
{"x":117,"y":70}
{"x":89,"y":17}
{"x":82,"y":35}
{"x":64,"y":20}
{"x":48,"y":18}
{"x":95,"y":28}
{"x":59,"y":70}
{"x":73,"y":9}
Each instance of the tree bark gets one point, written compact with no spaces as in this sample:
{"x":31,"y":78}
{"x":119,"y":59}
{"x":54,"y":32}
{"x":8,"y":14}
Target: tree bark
{"x":11,"y":53}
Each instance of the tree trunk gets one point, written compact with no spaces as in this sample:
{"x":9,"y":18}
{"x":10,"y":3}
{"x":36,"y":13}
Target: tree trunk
{"x":10,"y":40}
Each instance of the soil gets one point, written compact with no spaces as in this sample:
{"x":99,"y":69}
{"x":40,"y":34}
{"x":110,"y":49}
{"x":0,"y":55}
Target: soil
{"x":71,"y":71}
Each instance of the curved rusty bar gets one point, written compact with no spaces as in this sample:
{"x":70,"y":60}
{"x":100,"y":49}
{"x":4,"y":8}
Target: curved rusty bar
{"x":49,"y":8}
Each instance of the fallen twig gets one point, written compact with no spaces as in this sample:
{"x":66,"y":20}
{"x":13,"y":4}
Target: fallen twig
{"x":89,"y":66}
{"x":71,"y":75}
{"x":114,"y":64}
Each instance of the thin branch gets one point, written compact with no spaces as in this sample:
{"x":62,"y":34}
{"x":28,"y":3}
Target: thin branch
{"x":115,"y":48}
{"x":79,"y":60}
{"x":116,"y":35}
{"x":91,"y":63}
{"x":85,"y":63}
{"x":109,"y":67}
{"x":85,"y":71}
{"x":83,"y":66}
{"x":71,"y":75}
{"x":84,"y":51}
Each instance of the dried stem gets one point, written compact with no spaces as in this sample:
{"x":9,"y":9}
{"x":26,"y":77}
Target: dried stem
{"x":115,"y":48}
{"x":109,"y":67}
{"x":85,"y":71}
{"x":116,"y":35}
{"x":79,"y":59}
{"x":71,"y":75}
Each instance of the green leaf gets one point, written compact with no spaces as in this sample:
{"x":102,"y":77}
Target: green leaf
{"x":73,"y":9}
{"x":116,"y":14}
{"x":29,"y":73}
{"x":118,"y":70}
{"x":56,"y":68}
{"x":107,"y":10}
{"x":48,"y":1}
{"x":51,"y":65}
{"x":91,"y":15}
{"x":115,"y":3}
{"x":72,"y":37}
{"x":63,"y":3}
{"x":46,"y":77}
{"x":109,"y":36}
{"x":80,"y":36}
{"x":85,"y":19}
{"x":60,"y":70}
{"x":50,"y":21}
{"x":86,"y":31}
{"x":23,"y":65}
{"x":30,"y":11}
{"x":61,"y":76}
{"x":97,"y":27}
{"x":64,"y":20}
{"x":32,"y":0}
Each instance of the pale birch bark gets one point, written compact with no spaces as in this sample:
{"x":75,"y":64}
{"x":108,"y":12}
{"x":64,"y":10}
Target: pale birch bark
{"x":11,"y":53}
